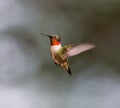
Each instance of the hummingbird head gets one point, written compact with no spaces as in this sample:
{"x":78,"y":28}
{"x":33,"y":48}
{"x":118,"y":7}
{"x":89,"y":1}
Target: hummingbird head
{"x":54,"y":39}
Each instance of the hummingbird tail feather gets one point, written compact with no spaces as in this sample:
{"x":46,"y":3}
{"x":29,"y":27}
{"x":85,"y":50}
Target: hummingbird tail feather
{"x":69,"y":71}
{"x":67,"y":68}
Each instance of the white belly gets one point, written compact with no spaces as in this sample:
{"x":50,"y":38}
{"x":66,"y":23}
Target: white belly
{"x":55,"y":48}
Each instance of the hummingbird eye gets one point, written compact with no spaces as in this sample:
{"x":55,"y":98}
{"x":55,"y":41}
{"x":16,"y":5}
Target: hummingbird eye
{"x":56,"y":37}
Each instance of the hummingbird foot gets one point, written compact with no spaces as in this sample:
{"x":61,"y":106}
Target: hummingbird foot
{"x":55,"y":63}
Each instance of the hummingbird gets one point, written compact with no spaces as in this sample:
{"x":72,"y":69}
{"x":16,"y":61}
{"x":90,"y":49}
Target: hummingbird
{"x":60,"y":54}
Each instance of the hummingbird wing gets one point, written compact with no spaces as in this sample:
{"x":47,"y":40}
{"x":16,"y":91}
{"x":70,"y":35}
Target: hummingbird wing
{"x":72,"y":50}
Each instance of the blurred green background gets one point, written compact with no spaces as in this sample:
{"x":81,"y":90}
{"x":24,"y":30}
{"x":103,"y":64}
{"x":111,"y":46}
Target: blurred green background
{"x":28,"y":76}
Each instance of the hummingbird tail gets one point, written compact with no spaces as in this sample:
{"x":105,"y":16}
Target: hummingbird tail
{"x":69,"y":71}
{"x":67,"y":68}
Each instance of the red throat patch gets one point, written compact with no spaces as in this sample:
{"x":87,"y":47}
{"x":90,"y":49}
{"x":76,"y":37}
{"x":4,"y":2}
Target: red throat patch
{"x":55,"y":42}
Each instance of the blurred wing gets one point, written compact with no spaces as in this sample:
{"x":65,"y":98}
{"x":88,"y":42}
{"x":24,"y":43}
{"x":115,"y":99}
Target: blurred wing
{"x":72,"y":50}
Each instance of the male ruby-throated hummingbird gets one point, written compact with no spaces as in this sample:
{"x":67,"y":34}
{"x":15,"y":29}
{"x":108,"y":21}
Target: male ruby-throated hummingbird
{"x":60,"y":53}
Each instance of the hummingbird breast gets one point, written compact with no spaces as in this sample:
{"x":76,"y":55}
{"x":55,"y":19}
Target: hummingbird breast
{"x":55,"y":48}
{"x":57,"y":57}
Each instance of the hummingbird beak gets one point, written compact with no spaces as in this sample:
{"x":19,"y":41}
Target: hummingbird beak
{"x":46,"y":35}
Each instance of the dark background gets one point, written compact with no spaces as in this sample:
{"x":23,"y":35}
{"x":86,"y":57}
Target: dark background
{"x":28,"y":76}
